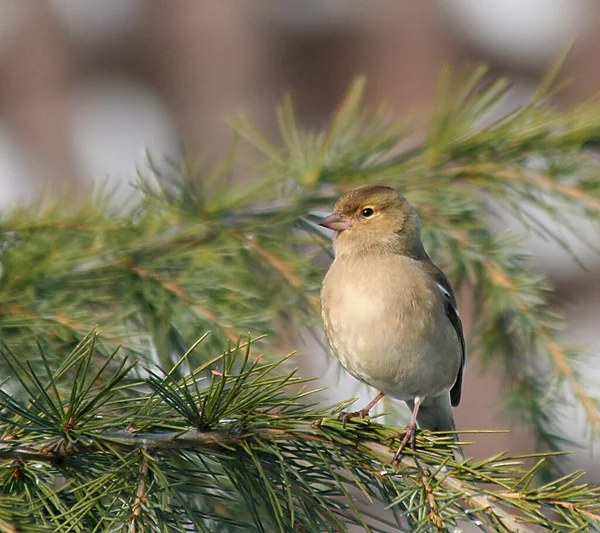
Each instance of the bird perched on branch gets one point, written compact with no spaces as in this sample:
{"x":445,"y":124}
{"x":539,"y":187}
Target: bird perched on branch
{"x":389,"y":312}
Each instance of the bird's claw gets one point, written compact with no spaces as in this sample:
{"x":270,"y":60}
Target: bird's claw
{"x":363,"y":413}
{"x":410,"y":435}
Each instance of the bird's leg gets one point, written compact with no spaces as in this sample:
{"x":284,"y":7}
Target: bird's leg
{"x":363,"y":412}
{"x":410,"y":431}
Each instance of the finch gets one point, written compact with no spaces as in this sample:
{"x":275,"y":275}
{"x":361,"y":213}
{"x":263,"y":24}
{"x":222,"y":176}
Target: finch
{"x":389,"y":312}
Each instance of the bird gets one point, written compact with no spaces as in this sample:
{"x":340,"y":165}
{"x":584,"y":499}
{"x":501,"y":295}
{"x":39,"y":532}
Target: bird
{"x":389,"y":312}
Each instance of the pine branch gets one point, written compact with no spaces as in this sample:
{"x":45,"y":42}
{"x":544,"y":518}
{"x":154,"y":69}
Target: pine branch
{"x":203,"y":441}
{"x":121,"y":448}
{"x":216,"y":440}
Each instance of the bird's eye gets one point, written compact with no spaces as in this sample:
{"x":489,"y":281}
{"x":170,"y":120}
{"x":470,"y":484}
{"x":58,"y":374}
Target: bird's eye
{"x":367,"y":212}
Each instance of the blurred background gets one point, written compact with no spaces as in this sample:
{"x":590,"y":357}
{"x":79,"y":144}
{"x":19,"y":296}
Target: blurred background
{"x":86,"y":87}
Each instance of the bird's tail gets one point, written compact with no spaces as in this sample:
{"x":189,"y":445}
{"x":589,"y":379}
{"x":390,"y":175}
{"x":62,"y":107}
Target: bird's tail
{"x":435,"y":414}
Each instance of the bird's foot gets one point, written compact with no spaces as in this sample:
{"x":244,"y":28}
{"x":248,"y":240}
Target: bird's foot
{"x":363,"y":413}
{"x":410,"y":433}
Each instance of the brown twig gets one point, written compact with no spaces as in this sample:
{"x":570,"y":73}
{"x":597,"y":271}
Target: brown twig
{"x":434,"y":515}
{"x":140,"y":495}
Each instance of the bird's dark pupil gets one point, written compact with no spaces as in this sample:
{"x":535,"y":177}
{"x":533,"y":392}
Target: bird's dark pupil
{"x":367,"y":212}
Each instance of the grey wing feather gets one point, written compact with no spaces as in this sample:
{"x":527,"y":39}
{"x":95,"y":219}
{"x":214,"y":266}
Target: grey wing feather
{"x":456,"y":390}
{"x":452,"y":314}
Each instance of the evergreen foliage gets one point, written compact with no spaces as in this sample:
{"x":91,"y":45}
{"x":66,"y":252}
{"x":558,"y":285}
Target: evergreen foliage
{"x":132,"y":430}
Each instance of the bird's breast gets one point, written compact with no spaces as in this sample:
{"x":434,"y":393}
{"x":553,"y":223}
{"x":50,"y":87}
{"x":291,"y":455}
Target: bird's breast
{"x":388,"y":328}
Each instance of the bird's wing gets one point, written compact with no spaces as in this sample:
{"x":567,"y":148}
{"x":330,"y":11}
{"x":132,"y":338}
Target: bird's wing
{"x":451,"y":312}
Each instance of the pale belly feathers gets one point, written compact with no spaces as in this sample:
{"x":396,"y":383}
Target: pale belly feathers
{"x":388,"y":333}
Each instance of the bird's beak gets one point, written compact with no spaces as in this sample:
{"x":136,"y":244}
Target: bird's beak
{"x":336,"y":221}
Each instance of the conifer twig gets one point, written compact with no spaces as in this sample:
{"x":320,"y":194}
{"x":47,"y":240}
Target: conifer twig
{"x":125,"y":441}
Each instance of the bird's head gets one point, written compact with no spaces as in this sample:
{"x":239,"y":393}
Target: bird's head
{"x":374,"y":219}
